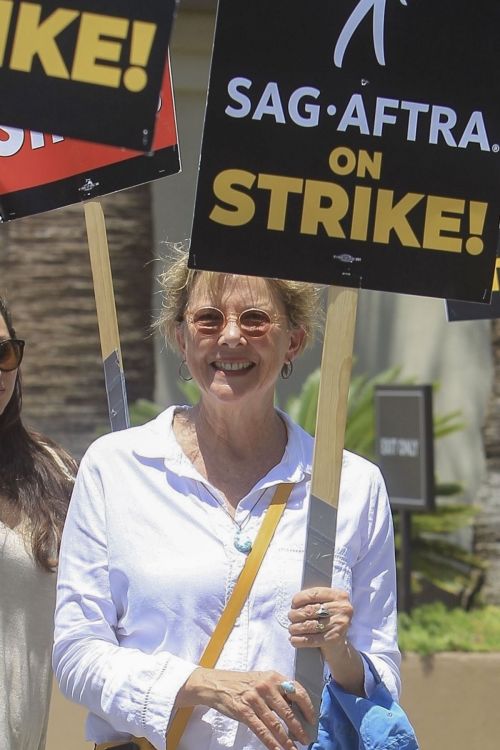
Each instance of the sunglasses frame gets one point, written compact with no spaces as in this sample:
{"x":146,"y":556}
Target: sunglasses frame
{"x":16,"y":342}
{"x":190,"y":317}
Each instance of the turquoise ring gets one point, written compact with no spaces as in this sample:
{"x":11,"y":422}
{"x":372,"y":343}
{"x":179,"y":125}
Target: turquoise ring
{"x":287,"y":687}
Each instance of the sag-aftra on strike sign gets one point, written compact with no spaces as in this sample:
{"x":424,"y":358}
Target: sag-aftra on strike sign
{"x":88,"y":69}
{"x":354,"y":142}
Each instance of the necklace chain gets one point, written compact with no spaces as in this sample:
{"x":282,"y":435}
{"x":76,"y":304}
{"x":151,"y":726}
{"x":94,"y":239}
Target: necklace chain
{"x":222,"y":505}
{"x":241,"y":541}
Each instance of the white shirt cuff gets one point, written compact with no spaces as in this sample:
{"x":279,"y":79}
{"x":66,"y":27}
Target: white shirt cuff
{"x":160,"y":699}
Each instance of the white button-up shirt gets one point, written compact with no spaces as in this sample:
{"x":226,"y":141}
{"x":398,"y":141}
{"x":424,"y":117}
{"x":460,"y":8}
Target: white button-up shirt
{"x":148,"y":562}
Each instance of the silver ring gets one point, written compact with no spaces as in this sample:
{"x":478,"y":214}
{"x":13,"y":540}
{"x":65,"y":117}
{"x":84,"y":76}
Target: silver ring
{"x":287,"y":687}
{"x":322,"y":612}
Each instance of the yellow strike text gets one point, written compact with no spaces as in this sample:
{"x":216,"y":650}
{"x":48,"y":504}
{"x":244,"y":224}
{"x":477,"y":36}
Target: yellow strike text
{"x":365,"y":214}
{"x":97,"y":50}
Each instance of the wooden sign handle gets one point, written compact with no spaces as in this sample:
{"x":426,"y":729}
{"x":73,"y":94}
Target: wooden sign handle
{"x":336,"y":366}
{"x":106,"y":315}
{"x":103,"y":282}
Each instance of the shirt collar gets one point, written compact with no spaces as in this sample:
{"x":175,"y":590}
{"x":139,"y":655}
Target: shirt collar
{"x":158,"y":441}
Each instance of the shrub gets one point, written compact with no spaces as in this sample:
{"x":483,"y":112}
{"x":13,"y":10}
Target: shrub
{"x":432,"y":628}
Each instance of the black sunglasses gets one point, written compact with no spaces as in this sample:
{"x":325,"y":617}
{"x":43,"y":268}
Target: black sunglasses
{"x":11,"y":354}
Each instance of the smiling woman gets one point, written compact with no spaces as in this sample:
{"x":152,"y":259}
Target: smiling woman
{"x":148,"y":562}
{"x":237,"y":353}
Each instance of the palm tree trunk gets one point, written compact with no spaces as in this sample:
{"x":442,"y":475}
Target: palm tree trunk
{"x":47,"y":279}
{"x":487,"y":525}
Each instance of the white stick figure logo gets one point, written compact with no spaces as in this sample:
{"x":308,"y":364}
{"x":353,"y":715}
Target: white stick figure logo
{"x":360,"y":11}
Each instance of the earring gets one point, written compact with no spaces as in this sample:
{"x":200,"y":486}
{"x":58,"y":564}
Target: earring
{"x":182,"y":374}
{"x":286,"y":370}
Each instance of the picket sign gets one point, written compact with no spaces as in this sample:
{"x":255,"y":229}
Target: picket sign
{"x":336,"y":366}
{"x":106,"y":316}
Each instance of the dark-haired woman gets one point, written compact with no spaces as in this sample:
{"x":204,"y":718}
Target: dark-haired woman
{"x":36,"y":479}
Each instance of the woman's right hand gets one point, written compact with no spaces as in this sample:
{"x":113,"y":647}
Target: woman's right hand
{"x":252,"y":698}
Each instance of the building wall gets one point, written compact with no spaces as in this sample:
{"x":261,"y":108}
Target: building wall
{"x":173,"y":197}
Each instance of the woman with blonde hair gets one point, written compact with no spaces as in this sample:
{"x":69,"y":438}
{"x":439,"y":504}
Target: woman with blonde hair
{"x":164,"y":516}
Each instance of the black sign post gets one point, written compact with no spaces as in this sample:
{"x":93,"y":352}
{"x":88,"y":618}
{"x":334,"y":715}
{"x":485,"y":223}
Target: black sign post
{"x":405,"y":454}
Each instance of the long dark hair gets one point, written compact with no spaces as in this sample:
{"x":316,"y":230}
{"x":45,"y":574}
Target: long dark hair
{"x":35,"y":474}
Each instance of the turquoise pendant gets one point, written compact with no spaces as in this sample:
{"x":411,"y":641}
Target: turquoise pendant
{"x":242,"y":543}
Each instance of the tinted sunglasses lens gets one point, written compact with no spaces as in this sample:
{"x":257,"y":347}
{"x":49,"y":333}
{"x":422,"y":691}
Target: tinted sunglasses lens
{"x":11,"y":354}
{"x":254,"y":322}
{"x":208,"y":321}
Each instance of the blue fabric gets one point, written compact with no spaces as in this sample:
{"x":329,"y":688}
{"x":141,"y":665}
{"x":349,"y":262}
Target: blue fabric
{"x":349,"y":722}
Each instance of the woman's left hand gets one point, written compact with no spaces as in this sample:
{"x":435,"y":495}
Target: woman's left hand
{"x":320,"y":618}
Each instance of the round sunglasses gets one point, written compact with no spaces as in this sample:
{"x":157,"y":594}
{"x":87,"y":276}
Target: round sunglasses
{"x":210,"y":321}
{"x":11,"y":354}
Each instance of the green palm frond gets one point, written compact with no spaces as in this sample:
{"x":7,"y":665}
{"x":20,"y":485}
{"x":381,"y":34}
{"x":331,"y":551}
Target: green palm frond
{"x":444,"y":520}
{"x":190,"y":390}
{"x":142,"y":411}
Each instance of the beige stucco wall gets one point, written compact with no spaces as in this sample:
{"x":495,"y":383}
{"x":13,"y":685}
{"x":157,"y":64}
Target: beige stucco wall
{"x":452,"y":700}
{"x":66,"y":724}
{"x":173,"y":197}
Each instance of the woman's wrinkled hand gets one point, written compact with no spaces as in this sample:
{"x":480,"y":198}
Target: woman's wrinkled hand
{"x":320,"y":618}
{"x":255,"y":699}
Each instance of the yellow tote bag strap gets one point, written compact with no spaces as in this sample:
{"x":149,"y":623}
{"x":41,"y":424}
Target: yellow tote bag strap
{"x":236,"y":601}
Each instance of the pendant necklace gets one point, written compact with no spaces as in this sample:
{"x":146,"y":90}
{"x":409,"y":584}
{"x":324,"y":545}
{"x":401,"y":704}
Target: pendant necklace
{"x":241,"y":541}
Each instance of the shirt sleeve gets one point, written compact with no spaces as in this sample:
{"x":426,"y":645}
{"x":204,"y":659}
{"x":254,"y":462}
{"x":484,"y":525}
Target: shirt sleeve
{"x":374,"y":625}
{"x":132,"y":690}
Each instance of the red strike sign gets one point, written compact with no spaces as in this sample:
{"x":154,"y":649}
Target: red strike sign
{"x":33,"y":165}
